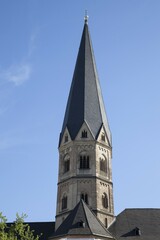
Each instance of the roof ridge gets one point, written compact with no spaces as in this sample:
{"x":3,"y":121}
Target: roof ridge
{"x":85,"y":205}
{"x":141,"y":209}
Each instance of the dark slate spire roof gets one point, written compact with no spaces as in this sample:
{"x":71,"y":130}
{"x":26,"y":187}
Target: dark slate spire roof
{"x":85,"y":101}
{"x":81,"y":221}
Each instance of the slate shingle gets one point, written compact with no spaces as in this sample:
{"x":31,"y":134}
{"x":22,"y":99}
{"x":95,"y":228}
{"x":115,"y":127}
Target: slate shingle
{"x":85,"y":102}
{"x":146,"y":220}
{"x":81,"y":215}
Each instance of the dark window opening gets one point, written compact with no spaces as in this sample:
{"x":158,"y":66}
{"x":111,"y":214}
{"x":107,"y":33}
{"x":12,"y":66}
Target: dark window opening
{"x":84,"y":134}
{"x":84,"y":197}
{"x":103,"y":138}
{"x":66,"y":138}
{"x":64,"y":202}
{"x":66,"y":165}
{"x":104,"y":200}
{"x":84,"y":162}
{"x":137,"y":231}
{"x":81,"y":224}
{"x":106,"y":222}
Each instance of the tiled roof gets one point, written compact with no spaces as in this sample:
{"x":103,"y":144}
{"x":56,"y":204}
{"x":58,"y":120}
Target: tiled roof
{"x":137,"y":224}
{"x":131,"y":224}
{"x":81,"y":221}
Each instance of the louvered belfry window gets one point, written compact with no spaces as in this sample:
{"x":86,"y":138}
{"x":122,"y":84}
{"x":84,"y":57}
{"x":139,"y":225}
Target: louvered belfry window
{"x":84,"y":196}
{"x":84,"y":134}
{"x":84,"y":162}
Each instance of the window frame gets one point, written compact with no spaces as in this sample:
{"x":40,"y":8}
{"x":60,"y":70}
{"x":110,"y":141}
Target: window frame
{"x":64,"y":202}
{"x":66,"y":138}
{"x":84,"y":197}
{"x":103,"y":164}
{"x":84,"y":162}
{"x":66,"y":164}
{"x":84,"y":134}
{"x":105,"y":203}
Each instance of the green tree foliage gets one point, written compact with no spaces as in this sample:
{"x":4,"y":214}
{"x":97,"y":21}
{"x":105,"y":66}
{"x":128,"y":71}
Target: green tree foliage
{"x":18,"y":230}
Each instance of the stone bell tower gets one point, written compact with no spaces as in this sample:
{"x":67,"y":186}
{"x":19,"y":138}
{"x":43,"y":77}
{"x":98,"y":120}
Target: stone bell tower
{"x":85,"y":147}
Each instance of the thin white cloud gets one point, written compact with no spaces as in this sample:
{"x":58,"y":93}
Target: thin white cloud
{"x":20,"y":73}
{"x":17,"y":74}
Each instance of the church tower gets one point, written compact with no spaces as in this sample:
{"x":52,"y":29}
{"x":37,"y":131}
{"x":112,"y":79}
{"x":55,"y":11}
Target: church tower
{"x":85,"y":146}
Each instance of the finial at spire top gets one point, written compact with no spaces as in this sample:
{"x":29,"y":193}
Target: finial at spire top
{"x":86,"y":17}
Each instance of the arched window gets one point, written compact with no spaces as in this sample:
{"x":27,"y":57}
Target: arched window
{"x":84,"y":134}
{"x":66,"y":163}
{"x":64,"y":202}
{"x":103,"y":164}
{"x":84,"y":196}
{"x":84,"y":162}
{"x":105,"y":200}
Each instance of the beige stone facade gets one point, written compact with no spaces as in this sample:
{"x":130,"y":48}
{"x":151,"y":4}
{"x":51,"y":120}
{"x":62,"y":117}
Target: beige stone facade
{"x":85,"y":171}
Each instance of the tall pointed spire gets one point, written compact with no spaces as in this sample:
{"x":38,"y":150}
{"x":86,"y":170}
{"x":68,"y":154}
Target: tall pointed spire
{"x":85,"y":103}
{"x":85,"y":150}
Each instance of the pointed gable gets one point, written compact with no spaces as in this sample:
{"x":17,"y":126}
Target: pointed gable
{"x":85,"y":101}
{"x":102,"y":136}
{"x":84,"y":133}
{"x":65,"y":137}
{"x":81,"y":222}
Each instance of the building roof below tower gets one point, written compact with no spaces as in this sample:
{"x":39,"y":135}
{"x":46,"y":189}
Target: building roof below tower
{"x":137,"y":224}
{"x":82,"y":222}
{"x":131,"y":224}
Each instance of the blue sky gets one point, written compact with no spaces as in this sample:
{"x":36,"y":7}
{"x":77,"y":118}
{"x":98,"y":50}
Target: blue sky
{"x":38,"y":48}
